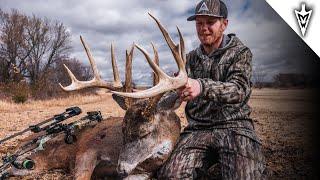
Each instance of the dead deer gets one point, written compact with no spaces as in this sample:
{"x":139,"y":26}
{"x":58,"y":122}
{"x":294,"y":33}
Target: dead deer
{"x":133,"y":146}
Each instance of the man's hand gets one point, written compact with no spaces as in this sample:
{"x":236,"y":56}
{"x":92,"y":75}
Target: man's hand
{"x":190,"y":91}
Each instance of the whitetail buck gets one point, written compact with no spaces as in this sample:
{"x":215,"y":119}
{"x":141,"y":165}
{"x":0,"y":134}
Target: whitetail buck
{"x":133,"y":146}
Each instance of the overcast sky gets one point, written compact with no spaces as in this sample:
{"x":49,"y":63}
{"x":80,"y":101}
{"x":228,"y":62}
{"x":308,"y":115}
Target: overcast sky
{"x":275,"y":47}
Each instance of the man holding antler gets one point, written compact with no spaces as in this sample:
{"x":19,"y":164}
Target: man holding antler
{"x":219,"y":141}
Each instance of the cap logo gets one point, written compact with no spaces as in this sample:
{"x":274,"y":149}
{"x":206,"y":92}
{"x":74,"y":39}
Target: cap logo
{"x":203,"y":7}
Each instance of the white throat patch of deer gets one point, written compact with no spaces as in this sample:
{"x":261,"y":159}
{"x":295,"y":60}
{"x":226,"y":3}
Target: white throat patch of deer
{"x":135,"y":145}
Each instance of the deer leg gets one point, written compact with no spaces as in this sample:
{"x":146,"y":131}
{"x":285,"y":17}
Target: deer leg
{"x":85,"y":164}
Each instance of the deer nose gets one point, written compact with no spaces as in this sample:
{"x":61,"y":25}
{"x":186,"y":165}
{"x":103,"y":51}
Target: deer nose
{"x":122,"y":171}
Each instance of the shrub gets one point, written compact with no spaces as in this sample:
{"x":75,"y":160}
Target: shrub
{"x":19,"y":91}
{"x":19,"y":98}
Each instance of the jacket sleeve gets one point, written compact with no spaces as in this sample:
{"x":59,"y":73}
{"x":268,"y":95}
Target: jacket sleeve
{"x":237,"y":85}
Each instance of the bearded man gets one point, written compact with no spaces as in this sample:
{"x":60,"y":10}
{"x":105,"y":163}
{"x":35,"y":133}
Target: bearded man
{"x":220,"y":141}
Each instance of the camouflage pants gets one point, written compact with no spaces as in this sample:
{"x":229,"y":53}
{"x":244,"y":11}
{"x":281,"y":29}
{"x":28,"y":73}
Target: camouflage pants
{"x":215,"y":154}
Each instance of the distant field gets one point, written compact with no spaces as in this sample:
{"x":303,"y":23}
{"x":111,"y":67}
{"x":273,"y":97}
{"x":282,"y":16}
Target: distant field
{"x":281,"y":117}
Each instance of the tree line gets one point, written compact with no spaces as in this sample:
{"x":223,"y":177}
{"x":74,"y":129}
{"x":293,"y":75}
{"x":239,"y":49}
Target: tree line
{"x":282,"y":80}
{"x":33,"y":51}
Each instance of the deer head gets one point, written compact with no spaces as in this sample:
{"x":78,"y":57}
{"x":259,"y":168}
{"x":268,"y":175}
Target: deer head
{"x":150,"y":124}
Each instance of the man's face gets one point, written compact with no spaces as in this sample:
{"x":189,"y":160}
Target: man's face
{"x":210,"y":29}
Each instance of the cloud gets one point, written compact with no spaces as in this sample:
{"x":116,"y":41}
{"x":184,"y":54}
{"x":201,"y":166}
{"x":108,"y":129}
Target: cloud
{"x":273,"y":43}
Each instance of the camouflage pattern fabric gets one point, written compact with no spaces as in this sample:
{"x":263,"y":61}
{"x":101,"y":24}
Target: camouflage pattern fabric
{"x":219,"y":125}
{"x":214,"y":154}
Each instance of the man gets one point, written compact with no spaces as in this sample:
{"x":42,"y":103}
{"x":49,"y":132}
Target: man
{"x":219,"y":141}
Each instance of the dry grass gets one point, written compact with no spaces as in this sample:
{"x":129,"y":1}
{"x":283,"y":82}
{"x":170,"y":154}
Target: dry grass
{"x":282,"y":119}
{"x":6,"y":106}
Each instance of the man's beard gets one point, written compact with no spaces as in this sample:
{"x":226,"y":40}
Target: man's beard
{"x":207,"y":45}
{"x":212,"y":41}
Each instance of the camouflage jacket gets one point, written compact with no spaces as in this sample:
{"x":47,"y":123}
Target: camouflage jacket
{"x":224,"y":76}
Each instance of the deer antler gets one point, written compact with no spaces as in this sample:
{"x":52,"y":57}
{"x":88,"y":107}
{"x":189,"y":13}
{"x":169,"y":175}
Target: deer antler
{"x":96,"y":81}
{"x":166,"y":83}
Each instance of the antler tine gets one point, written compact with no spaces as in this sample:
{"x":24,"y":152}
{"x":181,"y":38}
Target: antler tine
{"x":156,"y":55}
{"x":116,"y":77}
{"x":182,"y":47}
{"x":74,"y":80}
{"x":156,"y":61}
{"x":154,"y":67}
{"x":96,"y":81}
{"x":166,"y":35}
{"x":174,"y":48}
{"x":128,"y":70}
{"x":92,"y":61}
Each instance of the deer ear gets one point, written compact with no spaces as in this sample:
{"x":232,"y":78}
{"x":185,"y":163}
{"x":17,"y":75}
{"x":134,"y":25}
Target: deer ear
{"x":121,"y":101}
{"x":169,"y":101}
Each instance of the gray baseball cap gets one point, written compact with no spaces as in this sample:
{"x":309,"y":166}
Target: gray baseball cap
{"x":214,"y":8}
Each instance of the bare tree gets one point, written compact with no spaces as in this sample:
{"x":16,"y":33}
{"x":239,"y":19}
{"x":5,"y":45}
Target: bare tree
{"x":30,"y":45}
{"x":51,"y":42}
{"x":34,"y":48}
{"x":13,"y":47}
{"x":259,"y":76}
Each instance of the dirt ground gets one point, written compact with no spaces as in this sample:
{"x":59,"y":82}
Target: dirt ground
{"x":282,"y":119}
